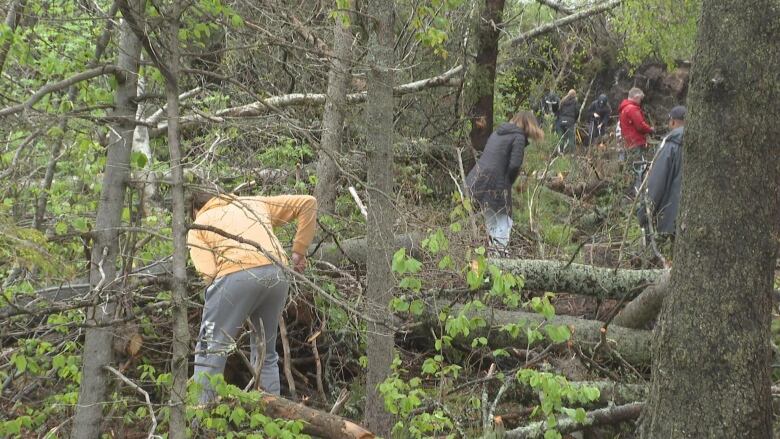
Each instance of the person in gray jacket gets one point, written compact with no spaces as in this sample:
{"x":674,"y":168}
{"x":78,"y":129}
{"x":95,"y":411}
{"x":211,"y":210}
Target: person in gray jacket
{"x":489,"y":183}
{"x":661,"y":199}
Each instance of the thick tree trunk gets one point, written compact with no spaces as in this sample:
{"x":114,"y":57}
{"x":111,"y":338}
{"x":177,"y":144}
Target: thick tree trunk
{"x":97,"y":351}
{"x":482,"y":73}
{"x":381,"y":214}
{"x":180,"y":345}
{"x":711,"y":349}
{"x":333,"y":118}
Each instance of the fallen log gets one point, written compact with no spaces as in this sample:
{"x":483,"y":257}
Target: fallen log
{"x":354,"y":250}
{"x":606,"y":416}
{"x":317,"y":423}
{"x":581,"y":190}
{"x":558,"y":276}
{"x":645,"y":307}
{"x":633,"y":345}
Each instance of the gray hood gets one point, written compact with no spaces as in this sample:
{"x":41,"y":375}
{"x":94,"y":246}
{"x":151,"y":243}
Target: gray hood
{"x":508,"y":128}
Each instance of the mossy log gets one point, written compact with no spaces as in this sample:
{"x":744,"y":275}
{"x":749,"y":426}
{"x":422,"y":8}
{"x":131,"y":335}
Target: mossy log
{"x":557,"y":276}
{"x":632,"y":345}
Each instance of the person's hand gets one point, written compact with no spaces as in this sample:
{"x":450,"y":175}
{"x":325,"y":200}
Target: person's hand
{"x":299,"y":262}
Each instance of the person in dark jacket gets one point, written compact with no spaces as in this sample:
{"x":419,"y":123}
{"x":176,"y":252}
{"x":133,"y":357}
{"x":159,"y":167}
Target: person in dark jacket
{"x":598,"y":113}
{"x":489,"y":183}
{"x":661,"y":199}
{"x":567,"y":119}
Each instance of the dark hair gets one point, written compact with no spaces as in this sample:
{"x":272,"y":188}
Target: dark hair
{"x":199,"y":198}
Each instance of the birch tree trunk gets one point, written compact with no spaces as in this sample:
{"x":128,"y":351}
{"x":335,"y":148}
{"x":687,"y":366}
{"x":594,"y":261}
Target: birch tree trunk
{"x":97,"y":351}
{"x":333,"y":118}
{"x":711,"y":350}
{"x":381,"y":215}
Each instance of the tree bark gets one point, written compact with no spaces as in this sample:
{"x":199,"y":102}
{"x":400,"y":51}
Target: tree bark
{"x":645,"y":307}
{"x":711,"y":349}
{"x":605,"y":416}
{"x":631,"y":344}
{"x":557,"y":276}
{"x":181,"y":335}
{"x":333,"y":118}
{"x":318,"y":423}
{"x":97,"y":351}
{"x":381,"y":214}
{"x":482,"y":73}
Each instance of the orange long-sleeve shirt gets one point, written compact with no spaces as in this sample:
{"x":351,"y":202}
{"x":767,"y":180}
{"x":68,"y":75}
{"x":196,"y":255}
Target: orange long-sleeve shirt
{"x":252,"y":218}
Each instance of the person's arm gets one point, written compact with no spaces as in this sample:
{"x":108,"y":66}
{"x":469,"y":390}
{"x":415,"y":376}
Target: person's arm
{"x":202,"y":255}
{"x":638,"y":120}
{"x":516,"y":158}
{"x":285,"y":208}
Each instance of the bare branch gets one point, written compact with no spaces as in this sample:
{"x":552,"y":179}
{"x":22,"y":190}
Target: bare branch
{"x":557,"y":6}
{"x":260,"y":107}
{"x":597,"y":9}
{"x":605,"y":416}
{"x":143,"y":392}
{"x":61,"y":85}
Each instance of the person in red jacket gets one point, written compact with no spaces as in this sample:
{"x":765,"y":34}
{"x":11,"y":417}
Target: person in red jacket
{"x":633,"y":126}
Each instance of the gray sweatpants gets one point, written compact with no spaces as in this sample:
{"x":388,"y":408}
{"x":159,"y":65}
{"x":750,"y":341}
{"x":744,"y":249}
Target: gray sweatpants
{"x":258,"y":294}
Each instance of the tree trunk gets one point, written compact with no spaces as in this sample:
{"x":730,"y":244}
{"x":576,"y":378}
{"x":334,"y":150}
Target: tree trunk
{"x":381,"y":216}
{"x":482,"y":73}
{"x":11,"y":21}
{"x":333,"y":118}
{"x":711,"y":349}
{"x":97,"y":351}
{"x":181,"y":334}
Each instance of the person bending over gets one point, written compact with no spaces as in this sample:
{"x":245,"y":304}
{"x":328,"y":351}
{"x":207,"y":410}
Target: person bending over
{"x":489,"y":183}
{"x":246,"y":276}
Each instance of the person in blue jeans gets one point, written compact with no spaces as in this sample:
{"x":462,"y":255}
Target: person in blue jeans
{"x":490,"y":182}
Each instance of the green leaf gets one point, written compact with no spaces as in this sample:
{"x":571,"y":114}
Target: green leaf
{"x":20,"y":361}
{"x":558,"y":334}
{"x":417,"y":306}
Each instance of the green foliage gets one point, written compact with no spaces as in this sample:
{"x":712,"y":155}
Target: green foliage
{"x":238,"y":414}
{"x":663,"y":29}
{"x":432,"y":25}
{"x":554,"y":391}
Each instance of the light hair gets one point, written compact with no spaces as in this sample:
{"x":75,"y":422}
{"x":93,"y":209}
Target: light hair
{"x":526,"y":121}
{"x":635,"y":92}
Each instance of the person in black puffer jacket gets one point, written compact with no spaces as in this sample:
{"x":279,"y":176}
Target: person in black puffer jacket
{"x":489,"y":183}
{"x":566,"y":121}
